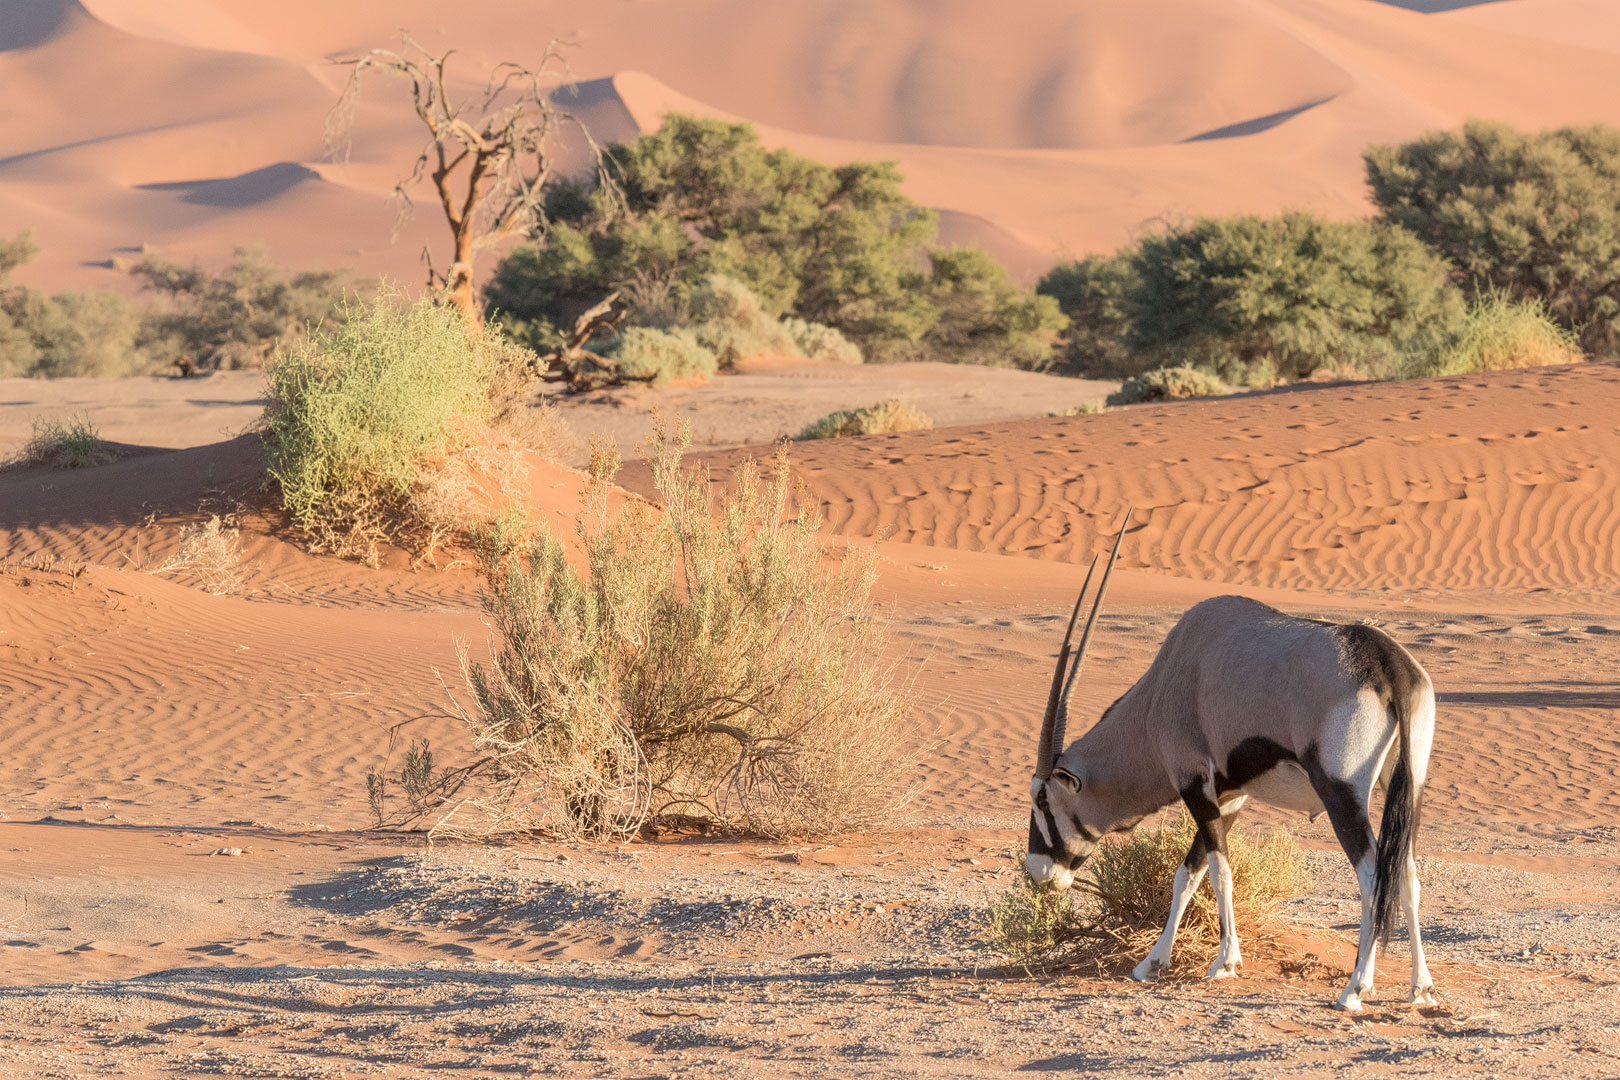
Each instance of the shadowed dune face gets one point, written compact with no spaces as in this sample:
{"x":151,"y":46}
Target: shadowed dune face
{"x":1039,"y":129}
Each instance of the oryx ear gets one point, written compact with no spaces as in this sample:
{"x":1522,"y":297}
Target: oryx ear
{"x":1066,"y":778}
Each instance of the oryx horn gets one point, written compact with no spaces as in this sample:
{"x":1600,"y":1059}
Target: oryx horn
{"x":1055,"y":726}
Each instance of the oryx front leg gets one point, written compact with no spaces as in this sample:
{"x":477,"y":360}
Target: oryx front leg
{"x":1201,"y":801}
{"x":1189,"y":875}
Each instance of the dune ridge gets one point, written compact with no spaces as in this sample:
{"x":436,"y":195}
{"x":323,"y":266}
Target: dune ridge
{"x":1040,"y":132}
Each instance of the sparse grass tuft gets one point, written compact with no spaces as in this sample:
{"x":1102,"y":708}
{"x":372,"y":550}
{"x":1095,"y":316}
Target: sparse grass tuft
{"x":212,"y":552}
{"x":1085,"y":408}
{"x":71,"y":443}
{"x":1113,"y":915}
{"x":1167,"y":384}
{"x":895,"y":414}
{"x":1498,"y":334}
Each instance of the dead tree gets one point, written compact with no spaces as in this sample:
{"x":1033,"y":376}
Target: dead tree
{"x":576,"y":366}
{"x":489,"y":157}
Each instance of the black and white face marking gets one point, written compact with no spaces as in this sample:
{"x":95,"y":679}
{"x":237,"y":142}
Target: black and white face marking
{"x":1058,"y":840}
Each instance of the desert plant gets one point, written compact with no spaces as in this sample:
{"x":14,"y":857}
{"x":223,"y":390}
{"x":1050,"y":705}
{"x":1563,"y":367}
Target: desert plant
{"x":1118,"y":909}
{"x":895,"y":414}
{"x":1535,"y":216}
{"x":1094,"y":293}
{"x":68,"y":443}
{"x":377,"y":430}
{"x":1498,"y":334}
{"x":68,"y":333}
{"x":1085,"y":408}
{"x":236,"y":318}
{"x":729,"y":320}
{"x":1167,"y":384}
{"x":660,"y":356}
{"x":841,"y":246}
{"x":489,"y":156}
{"x":211,"y":551}
{"x":1295,"y":292}
{"x":706,"y":663}
{"x":820,"y":342}
{"x":981,"y":316}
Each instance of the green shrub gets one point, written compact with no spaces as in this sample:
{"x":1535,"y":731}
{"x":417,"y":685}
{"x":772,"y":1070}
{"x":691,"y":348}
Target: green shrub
{"x":376,"y":428}
{"x":982,"y":317}
{"x":728,"y":319}
{"x":71,"y":443}
{"x":1167,"y":384}
{"x":822,"y":342}
{"x":1295,"y":292}
{"x":236,"y":318}
{"x":1500,"y":333}
{"x":1118,"y":909}
{"x":707,"y":663}
{"x":70,"y":333}
{"x":840,"y":246}
{"x":1095,"y":293}
{"x":1533,"y":216}
{"x":895,"y":414}
{"x":662,"y":355}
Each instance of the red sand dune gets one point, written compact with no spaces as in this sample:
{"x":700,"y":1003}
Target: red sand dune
{"x":1041,"y":129}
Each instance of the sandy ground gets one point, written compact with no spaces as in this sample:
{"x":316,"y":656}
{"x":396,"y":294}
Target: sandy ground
{"x":146,"y":725}
{"x":768,"y":399}
{"x":1040,"y":129}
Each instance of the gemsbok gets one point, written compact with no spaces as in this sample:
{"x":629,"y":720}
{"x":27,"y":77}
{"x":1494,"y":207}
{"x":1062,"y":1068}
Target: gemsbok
{"x":1243,"y":700}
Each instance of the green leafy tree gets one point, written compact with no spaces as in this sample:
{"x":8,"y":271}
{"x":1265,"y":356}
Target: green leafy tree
{"x":1287,"y":295}
{"x":1093,"y":293}
{"x":840,"y":246}
{"x":1534,"y":216}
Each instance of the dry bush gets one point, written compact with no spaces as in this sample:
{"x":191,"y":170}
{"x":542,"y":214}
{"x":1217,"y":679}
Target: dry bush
{"x":1167,"y":384}
{"x":1116,"y":911}
{"x":71,"y":443}
{"x":710,"y":665}
{"x":212,"y":552}
{"x":1085,"y":408}
{"x":1499,"y":334}
{"x":820,"y":342}
{"x":730,"y":321}
{"x":662,"y":356}
{"x":395,"y":427}
{"x":895,"y":414}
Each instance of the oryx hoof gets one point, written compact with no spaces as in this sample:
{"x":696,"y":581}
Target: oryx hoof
{"x":1423,"y":995}
{"x":1223,"y":968}
{"x":1149,"y":969}
{"x":1349,"y":1001}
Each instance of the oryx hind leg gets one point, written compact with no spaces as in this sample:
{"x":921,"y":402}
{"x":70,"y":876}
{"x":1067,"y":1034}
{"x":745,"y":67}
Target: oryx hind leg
{"x":1346,"y":806}
{"x":1422,"y":983}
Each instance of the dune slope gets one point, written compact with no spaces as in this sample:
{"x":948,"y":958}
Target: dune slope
{"x":1040,"y":130}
